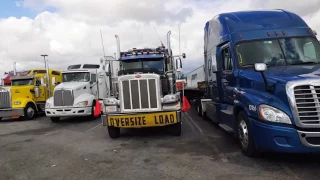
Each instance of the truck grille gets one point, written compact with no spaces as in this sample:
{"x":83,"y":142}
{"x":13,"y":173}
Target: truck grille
{"x":63,"y":98}
{"x":308,"y":104}
{"x":139,"y":94}
{"x":5,"y":100}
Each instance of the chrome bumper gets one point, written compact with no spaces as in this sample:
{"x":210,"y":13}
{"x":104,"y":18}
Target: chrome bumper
{"x":104,"y":117}
{"x":11,"y":112}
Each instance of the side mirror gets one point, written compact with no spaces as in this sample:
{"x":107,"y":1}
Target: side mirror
{"x":183,"y":55}
{"x":315,"y":32}
{"x":42,"y":81}
{"x":260,"y":67}
{"x":53,"y":81}
{"x":179,"y":70}
{"x":178,"y":63}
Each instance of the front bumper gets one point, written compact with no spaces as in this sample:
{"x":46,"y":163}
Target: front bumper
{"x":104,"y":117}
{"x":11,"y":112}
{"x":68,"y":111}
{"x":283,"y":139}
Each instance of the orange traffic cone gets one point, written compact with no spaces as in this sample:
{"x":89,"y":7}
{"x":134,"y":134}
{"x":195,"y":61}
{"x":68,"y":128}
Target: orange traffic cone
{"x":185,"y":104}
{"x":97,"y":110}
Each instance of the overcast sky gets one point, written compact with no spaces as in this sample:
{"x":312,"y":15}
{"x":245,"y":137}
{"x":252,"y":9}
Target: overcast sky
{"x":69,"y":30}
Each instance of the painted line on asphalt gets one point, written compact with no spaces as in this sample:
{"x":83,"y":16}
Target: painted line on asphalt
{"x":188,"y":122}
{"x":194,"y":123}
{"x":94,"y":127}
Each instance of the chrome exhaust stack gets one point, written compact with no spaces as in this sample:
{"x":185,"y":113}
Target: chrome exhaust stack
{"x":15,"y":68}
{"x":118,"y":48}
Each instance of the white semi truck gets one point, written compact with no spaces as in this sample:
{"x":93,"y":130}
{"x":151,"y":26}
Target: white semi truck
{"x":82,"y":85}
{"x":144,"y":91}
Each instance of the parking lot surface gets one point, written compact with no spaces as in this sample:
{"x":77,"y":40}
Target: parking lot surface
{"x":81,"y":149}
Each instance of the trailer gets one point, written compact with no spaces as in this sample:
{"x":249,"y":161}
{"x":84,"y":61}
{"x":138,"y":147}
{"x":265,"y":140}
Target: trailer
{"x":195,"y":83}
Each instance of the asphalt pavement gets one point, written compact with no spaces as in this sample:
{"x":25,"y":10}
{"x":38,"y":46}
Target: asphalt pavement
{"x":76,"y":148}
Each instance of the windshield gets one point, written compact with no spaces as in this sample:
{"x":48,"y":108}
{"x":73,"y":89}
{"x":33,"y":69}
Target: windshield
{"x":144,"y":65}
{"x":279,"y":52}
{"x":22,"y":82}
{"x":76,"y":77}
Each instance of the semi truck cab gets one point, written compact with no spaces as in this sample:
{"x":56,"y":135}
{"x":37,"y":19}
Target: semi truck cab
{"x":82,"y":85}
{"x":26,"y":95}
{"x":263,"y":80}
{"x":147,"y":95}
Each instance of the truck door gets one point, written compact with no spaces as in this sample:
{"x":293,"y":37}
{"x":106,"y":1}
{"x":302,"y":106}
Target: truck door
{"x":226,"y":74}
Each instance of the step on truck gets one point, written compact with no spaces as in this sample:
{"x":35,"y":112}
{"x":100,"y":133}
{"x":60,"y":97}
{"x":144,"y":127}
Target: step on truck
{"x":146,"y":95}
{"x":263,"y":81}
{"x":82,"y":85}
{"x":28,"y":92}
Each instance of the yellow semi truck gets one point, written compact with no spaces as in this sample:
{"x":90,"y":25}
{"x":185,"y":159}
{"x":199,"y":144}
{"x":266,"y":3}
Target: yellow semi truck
{"x":27,"y":95}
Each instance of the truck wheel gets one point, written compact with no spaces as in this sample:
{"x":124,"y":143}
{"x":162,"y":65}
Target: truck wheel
{"x":176,"y":129}
{"x":244,"y":135}
{"x":199,"y":110}
{"x":114,"y":132}
{"x":29,"y":112}
{"x":0,"y":118}
{"x":55,"y":119}
{"x":91,"y":117}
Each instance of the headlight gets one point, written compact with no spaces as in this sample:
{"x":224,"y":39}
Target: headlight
{"x":170,"y":98}
{"x":82,"y":104}
{"x":272,"y":114}
{"x":110,"y":101}
{"x":48,"y":105}
{"x":17,"y":103}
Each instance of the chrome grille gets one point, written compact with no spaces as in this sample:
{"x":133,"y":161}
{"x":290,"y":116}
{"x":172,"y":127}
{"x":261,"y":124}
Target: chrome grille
{"x":139,"y":94}
{"x":307,"y":99}
{"x":5,"y":100}
{"x":63,"y":98}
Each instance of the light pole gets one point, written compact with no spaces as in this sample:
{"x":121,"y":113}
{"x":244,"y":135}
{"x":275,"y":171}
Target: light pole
{"x":44,"y":58}
{"x":47,"y":73}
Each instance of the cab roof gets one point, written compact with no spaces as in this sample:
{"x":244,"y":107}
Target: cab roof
{"x":246,"y":25}
{"x":146,"y":53}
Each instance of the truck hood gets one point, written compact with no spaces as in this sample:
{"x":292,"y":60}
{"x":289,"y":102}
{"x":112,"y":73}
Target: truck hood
{"x":284,"y":74}
{"x":20,"y":92}
{"x":72,"y":85}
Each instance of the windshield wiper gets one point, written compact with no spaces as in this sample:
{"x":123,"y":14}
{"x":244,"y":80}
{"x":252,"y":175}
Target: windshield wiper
{"x":307,"y":62}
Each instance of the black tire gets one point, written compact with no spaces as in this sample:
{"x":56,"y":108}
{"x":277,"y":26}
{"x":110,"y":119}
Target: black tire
{"x":199,"y":110}
{"x":91,"y":117}
{"x":0,"y":118}
{"x":114,"y":132}
{"x":30,"y":112}
{"x":55,"y":119}
{"x":244,"y":136}
{"x":176,"y":129}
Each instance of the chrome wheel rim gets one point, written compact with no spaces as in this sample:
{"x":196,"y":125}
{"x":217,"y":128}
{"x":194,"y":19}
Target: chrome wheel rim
{"x":30,"y":112}
{"x":243,"y":134}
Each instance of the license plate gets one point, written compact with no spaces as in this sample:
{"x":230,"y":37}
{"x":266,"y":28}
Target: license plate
{"x":63,"y":113}
{"x":143,"y":120}
{"x":111,"y":108}
{"x":15,"y":116}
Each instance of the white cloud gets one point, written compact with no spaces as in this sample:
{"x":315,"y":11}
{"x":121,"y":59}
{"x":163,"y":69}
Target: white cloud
{"x":72,"y":34}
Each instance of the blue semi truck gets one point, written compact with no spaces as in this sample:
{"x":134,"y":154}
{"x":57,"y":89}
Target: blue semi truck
{"x":262,"y":76}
